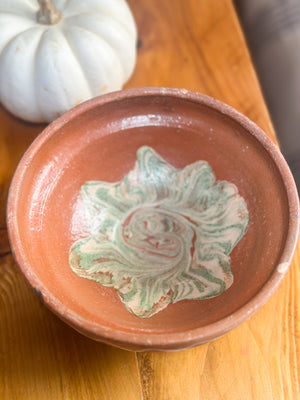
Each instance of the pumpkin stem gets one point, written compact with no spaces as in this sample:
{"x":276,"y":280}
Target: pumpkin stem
{"x":48,"y":14}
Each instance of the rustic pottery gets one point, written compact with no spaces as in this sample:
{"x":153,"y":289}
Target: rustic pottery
{"x":101,"y":142}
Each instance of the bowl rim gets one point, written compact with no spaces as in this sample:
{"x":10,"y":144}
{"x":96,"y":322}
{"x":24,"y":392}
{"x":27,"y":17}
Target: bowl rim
{"x":148,"y":340}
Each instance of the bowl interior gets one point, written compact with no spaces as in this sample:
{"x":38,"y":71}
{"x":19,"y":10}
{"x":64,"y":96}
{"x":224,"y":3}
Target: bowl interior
{"x":101,"y":144}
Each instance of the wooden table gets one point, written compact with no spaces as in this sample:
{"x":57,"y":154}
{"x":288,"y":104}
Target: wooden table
{"x":198,"y":45}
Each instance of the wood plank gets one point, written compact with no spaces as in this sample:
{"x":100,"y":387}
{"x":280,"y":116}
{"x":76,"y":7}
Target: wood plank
{"x":42,"y":358}
{"x":198,"y":45}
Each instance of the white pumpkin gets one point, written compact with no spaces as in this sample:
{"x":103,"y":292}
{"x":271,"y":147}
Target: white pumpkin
{"x":56,"y":54}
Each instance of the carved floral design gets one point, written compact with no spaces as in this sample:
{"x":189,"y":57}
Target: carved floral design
{"x":161,"y":234}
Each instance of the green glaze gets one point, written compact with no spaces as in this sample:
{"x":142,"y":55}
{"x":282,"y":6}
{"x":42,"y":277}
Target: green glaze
{"x":160,"y":235}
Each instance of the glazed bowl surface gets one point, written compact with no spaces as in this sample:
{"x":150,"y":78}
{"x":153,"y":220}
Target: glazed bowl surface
{"x":98,"y":141}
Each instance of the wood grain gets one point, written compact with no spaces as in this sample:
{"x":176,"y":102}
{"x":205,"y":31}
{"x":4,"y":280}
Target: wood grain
{"x":196,"y":44}
{"x":42,"y":358}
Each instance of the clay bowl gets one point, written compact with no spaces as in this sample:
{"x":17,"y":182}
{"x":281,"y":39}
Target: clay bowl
{"x":98,"y":141}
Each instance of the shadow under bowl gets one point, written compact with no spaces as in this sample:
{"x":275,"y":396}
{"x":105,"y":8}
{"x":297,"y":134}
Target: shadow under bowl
{"x":98,"y":141}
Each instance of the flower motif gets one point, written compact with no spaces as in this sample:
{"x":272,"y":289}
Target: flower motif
{"x":161,"y":234}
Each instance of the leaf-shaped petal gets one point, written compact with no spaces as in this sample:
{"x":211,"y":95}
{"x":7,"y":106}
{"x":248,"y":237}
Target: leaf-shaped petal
{"x":191,"y":183}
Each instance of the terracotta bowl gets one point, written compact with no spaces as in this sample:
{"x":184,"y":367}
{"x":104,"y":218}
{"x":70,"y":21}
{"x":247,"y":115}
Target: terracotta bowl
{"x":98,"y":141}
